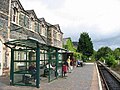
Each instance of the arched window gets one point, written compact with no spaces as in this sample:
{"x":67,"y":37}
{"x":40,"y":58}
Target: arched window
{"x":14,"y":14}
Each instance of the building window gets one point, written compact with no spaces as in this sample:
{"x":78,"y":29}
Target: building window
{"x":43,"y":30}
{"x":26,"y":21}
{"x":37,"y":27}
{"x":55,"y":35}
{"x":32,"y":24}
{"x":58,"y":37}
{"x":14,"y":14}
{"x":21,"y":19}
{"x":49,"y":33}
{"x":25,"y":56}
{"x":18,"y":55}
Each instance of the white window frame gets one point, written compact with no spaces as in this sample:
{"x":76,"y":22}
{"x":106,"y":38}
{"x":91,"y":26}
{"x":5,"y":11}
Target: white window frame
{"x":14,"y":14}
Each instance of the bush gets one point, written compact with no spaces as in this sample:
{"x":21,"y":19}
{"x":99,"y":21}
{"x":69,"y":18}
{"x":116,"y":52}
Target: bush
{"x":102,"y":59}
{"x":110,"y":60}
{"x":77,"y":55}
{"x":84,"y":58}
{"x":114,"y":64}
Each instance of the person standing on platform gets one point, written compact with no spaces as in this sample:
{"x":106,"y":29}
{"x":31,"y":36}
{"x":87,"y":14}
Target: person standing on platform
{"x":69,"y":66}
{"x":64,"y":68}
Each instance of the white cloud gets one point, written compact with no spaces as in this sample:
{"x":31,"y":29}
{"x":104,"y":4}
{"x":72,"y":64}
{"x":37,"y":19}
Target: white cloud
{"x":100,"y":18}
{"x":105,"y":14}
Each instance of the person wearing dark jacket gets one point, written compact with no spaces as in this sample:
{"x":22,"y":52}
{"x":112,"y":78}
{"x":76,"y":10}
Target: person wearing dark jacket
{"x":32,"y":70}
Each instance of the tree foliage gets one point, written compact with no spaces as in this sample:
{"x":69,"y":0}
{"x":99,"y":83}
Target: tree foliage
{"x":69,"y":45}
{"x":77,"y":55}
{"x":103,"y":52}
{"x":85,"y":45}
{"x":93,"y":56}
{"x":116,"y":53}
{"x":110,"y":60}
{"x":107,"y":55}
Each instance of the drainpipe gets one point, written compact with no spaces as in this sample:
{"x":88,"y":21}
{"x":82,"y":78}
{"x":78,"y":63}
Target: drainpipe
{"x":9,"y":20}
{"x":47,"y":34}
{"x":8,"y":37}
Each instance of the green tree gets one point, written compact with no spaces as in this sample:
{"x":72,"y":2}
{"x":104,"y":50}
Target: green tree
{"x":116,"y":53}
{"x":93,"y":56}
{"x":110,"y":60}
{"x":77,"y":55}
{"x":69,"y":45}
{"x":103,"y":52}
{"x":85,"y":45}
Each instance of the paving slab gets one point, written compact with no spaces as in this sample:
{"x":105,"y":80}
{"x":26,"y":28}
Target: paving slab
{"x":81,"y":78}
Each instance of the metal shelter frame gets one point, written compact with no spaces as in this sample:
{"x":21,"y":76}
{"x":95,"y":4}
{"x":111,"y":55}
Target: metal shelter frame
{"x":26,"y":45}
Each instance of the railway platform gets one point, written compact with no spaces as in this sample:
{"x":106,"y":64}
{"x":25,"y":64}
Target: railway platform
{"x":81,"y":78}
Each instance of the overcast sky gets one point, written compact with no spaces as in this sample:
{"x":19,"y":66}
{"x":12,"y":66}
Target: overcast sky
{"x":100,"y":18}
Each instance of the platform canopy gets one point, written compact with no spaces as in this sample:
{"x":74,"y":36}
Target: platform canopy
{"x":29,"y":43}
{"x":26,"y":46}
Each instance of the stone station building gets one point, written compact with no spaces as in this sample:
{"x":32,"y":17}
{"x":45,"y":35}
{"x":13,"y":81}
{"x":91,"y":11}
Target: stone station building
{"x":16,"y":23}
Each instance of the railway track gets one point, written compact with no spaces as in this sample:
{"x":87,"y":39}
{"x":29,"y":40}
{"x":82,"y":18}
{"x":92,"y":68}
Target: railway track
{"x":109,"y":80}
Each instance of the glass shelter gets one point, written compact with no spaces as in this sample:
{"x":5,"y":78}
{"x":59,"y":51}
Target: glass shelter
{"x":47,"y":61}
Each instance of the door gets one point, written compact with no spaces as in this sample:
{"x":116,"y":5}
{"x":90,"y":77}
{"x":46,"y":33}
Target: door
{"x":1,"y":51}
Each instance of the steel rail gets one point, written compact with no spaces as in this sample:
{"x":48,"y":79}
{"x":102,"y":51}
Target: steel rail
{"x":111,"y":82}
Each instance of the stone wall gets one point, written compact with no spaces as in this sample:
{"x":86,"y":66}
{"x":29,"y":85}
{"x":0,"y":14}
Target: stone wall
{"x":4,"y":11}
{"x":3,"y":28}
{"x":4,"y":6}
{"x":23,"y":33}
